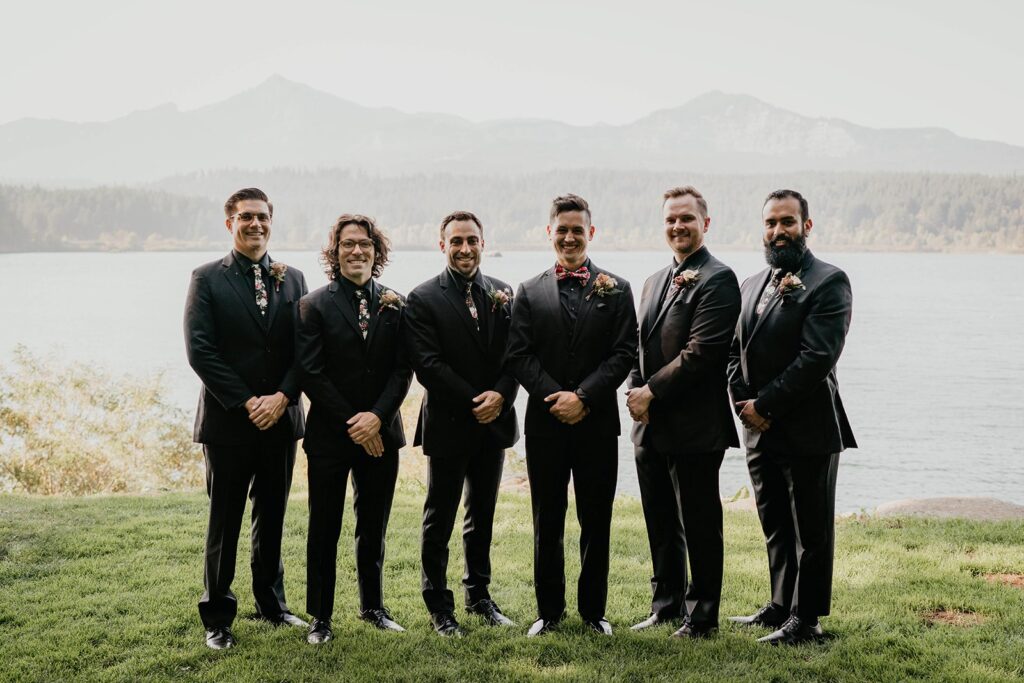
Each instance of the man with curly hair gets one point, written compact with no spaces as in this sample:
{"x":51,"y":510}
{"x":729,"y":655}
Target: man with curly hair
{"x":353,"y":369}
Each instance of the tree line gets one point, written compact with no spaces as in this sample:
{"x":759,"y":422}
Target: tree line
{"x":864,"y":211}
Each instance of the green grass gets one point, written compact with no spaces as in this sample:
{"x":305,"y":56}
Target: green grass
{"x":105,"y":588}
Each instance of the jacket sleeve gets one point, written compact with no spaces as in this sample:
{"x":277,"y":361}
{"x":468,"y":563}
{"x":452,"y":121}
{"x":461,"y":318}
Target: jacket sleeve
{"x":711,"y":332}
{"x":424,"y":353}
{"x":613,"y":370}
{"x":390,"y":400}
{"x":822,"y":337}
{"x":521,"y":360}
{"x":290,"y":383}
{"x":216,"y":374}
{"x":737,"y":386}
{"x":309,"y":352}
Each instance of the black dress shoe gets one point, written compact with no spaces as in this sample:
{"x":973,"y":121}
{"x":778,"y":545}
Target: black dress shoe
{"x":446,"y":625}
{"x":320,"y":632}
{"x":650,"y":622}
{"x":282,"y":619}
{"x":794,"y":632}
{"x":542,"y":626}
{"x":769,"y":616}
{"x":599,"y":625}
{"x":220,"y":638}
{"x":695,"y":631}
{"x":490,"y":612}
{"x":381,"y":619}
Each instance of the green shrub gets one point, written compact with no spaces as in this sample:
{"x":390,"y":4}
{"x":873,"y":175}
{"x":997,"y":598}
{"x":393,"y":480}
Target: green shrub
{"x":74,"y":429}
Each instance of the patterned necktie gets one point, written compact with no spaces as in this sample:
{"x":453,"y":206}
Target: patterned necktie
{"x":364,"y":311}
{"x":769,"y":291}
{"x":261,"y":289}
{"x":471,"y":305}
{"x":582,"y":274}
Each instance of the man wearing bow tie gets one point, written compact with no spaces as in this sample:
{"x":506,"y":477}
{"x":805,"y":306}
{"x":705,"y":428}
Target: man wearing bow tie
{"x":683,"y":422}
{"x":571,"y":346}
{"x":782,"y":375}
{"x":239,"y":334}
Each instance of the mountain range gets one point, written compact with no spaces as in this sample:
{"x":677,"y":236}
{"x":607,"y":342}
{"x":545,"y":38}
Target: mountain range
{"x":284,"y":124}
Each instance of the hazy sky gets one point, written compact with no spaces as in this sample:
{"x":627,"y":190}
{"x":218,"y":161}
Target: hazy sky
{"x":954,"y":65}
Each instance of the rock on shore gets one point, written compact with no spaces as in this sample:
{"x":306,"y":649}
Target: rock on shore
{"x":975,"y":508}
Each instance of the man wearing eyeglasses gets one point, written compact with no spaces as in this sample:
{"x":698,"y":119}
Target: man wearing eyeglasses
{"x":239,"y":336}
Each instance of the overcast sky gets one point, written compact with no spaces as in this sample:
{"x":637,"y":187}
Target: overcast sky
{"x":910,"y":63}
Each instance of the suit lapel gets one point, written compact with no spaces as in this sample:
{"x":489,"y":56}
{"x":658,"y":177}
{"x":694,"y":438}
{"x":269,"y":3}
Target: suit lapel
{"x":234,"y":275}
{"x":805,"y":266}
{"x":343,"y":306}
{"x":488,"y":304}
{"x":751,"y":321}
{"x":275,"y":298}
{"x":654,"y":297}
{"x":375,"y":311}
{"x":588,"y":299}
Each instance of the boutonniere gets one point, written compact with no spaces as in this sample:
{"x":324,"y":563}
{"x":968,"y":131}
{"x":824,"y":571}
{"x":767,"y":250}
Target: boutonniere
{"x":390,"y":299}
{"x":790,"y":283}
{"x":604,"y":286}
{"x":685,"y":279}
{"x":278,"y":271}
{"x":499,"y":298}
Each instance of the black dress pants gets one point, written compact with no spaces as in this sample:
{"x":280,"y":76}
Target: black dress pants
{"x":373,"y":490}
{"x":480,"y":475}
{"x":592,"y":462}
{"x":683,"y":513}
{"x":796,"y":501}
{"x":263,"y":471}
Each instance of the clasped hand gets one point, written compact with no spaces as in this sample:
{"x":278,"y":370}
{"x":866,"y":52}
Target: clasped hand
{"x":364,"y":429}
{"x":638,"y":402}
{"x":489,"y":408}
{"x":750,"y":418}
{"x":265,"y":411}
{"x":567,"y":407}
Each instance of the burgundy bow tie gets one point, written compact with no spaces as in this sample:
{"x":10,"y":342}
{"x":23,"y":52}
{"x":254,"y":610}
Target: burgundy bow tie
{"x":582,"y":273}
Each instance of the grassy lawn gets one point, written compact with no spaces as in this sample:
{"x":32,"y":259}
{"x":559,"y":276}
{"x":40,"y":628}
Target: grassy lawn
{"x":105,"y":589}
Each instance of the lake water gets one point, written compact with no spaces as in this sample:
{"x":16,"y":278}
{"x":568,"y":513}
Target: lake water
{"x":932,"y":375}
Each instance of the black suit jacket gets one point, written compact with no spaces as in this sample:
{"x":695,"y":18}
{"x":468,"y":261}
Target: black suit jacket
{"x":454,"y":362}
{"x":786,"y":358}
{"x":239,"y":353}
{"x":684,"y":351}
{"x":596,"y":358}
{"x":343,"y":374}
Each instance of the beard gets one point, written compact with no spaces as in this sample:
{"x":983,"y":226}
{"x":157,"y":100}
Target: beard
{"x":786,"y":258}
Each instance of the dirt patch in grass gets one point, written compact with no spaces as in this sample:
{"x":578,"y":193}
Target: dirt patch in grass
{"x":1012,"y":580}
{"x":954,"y":617}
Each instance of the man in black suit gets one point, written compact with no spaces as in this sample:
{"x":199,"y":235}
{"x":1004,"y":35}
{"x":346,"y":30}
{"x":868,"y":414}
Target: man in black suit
{"x":782,"y":374}
{"x":457,"y":327}
{"x":354,"y":371}
{"x":679,"y":400}
{"x":571,"y":346}
{"x":239,"y":335}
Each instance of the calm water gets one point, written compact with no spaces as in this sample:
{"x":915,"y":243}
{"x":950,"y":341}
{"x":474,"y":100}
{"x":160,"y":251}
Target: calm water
{"x":932,"y":375}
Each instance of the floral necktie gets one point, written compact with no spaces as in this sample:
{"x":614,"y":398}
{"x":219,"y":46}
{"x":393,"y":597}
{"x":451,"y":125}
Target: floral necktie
{"x":364,"y":311}
{"x":769,"y":291}
{"x":261,"y":289}
{"x":471,"y":305}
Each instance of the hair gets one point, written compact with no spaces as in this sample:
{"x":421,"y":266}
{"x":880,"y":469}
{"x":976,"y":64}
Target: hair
{"x":246,"y":193}
{"x":805,"y":213}
{"x":682,"y":191}
{"x":381,"y":244}
{"x":460,"y":216}
{"x":568,"y":202}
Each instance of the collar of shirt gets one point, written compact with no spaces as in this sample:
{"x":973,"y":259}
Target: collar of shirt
{"x":680,"y":267}
{"x":457,"y":279}
{"x":246,"y":263}
{"x":349,"y":288}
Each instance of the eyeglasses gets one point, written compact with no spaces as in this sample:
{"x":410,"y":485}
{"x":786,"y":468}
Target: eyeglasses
{"x":246,"y":217}
{"x":364,"y":245}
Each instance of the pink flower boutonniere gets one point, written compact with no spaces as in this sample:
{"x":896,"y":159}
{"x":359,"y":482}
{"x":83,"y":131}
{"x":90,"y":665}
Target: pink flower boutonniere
{"x":390,"y":299}
{"x":499,"y":298}
{"x":790,"y":283}
{"x":278,"y":271}
{"x":685,"y":279}
{"x":604,"y":286}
